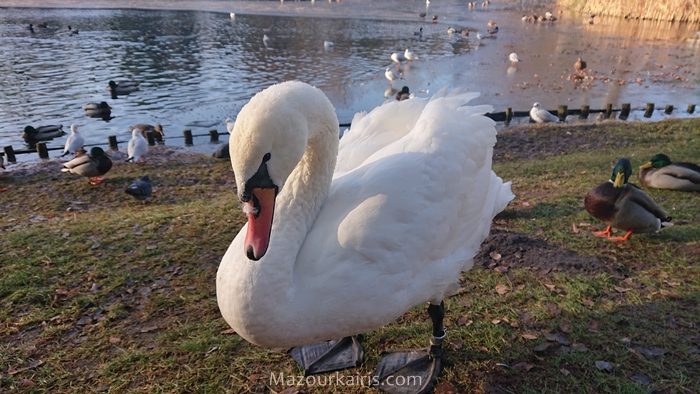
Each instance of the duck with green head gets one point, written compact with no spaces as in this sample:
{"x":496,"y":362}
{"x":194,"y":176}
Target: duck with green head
{"x":661,"y":173}
{"x":624,"y":206}
{"x":93,"y":165}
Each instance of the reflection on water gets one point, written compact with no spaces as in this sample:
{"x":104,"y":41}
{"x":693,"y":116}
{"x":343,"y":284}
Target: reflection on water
{"x":197,"y":68}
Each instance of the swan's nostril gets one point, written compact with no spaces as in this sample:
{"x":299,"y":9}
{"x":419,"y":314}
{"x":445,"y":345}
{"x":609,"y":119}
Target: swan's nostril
{"x":251,"y":254}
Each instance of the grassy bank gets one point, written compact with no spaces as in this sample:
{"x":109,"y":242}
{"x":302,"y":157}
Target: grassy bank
{"x":100,"y":293}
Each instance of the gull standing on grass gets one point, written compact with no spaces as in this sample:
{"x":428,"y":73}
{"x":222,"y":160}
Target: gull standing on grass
{"x":138,"y":146}
{"x":540,"y":115}
{"x":74,"y":142}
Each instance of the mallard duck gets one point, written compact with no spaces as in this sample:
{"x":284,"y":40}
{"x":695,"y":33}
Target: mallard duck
{"x":93,"y":165}
{"x":403,"y":94}
{"x":156,"y":130}
{"x":33,"y":135}
{"x":540,"y":115}
{"x":580,"y":65}
{"x":140,"y":189}
{"x":138,"y":146}
{"x":123,"y":87}
{"x":97,"y":110}
{"x":492,"y":27}
{"x":661,"y":173}
{"x":624,"y":206}
{"x":340,"y":237}
{"x":74,"y":142}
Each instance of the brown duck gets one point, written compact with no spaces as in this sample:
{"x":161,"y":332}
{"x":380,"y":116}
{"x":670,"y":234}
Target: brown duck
{"x":624,"y":206}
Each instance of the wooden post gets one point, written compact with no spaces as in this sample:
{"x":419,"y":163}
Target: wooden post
{"x":584,"y":112}
{"x":213,"y":136}
{"x":608,"y":111}
{"x":668,"y":110}
{"x":151,"y":138}
{"x":10,"y":154}
{"x":625,"y":111}
{"x":41,"y":149}
{"x":691,"y":108}
{"x":509,"y":115}
{"x":561,"y":112}
{"x":188,"y":137}
{"x":649,"y":111}
{"x":112,"y":139}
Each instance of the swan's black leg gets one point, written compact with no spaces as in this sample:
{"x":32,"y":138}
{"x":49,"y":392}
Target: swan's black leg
{"x":329,"y":355}
{"x":414,"y":371}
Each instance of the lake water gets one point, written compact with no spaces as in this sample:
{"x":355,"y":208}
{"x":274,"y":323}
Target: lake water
{"x":197,"y":68}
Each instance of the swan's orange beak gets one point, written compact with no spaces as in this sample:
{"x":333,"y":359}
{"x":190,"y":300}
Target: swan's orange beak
{"x":260,"y":210}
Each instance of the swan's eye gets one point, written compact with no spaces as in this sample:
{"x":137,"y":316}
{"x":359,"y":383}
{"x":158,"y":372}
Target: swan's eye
{"x":266,"y":157}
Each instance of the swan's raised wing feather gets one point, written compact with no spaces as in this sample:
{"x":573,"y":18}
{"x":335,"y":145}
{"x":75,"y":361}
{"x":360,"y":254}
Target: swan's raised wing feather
{"x":423,"y":203}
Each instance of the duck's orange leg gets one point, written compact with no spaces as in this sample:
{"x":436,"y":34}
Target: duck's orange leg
{"x":605,"y":233}
{"x":623,"y":238}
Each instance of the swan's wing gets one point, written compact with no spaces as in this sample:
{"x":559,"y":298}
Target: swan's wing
{"x":418,"y":208}
{"x":382,"y":126}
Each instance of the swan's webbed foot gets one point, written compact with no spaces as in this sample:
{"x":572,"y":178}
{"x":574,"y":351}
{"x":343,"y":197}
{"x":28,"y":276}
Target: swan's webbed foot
{"x":329,"y":355}
{"x":413,"y":371}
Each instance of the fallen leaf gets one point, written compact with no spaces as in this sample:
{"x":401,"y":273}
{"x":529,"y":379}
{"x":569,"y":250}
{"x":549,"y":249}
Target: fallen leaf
{"x":496,"y":321}
{"x":641,"y":378}
{"x":650,"y":352}
{"x":502,"y":269}
{"x":593,"y":326}
{"x":495,"y":255}
{"x":564,"y":371}
{"x":557,"y":337}
{"x":523,"y":366}
{"x":230,"y":331}
{"x":621,"y":289}
{"x":26,"y":383}
{"x":604,"y":366}
{"x":529,"y":336}
{"x":146,"y":329}
{"x":574,"y":229}
{"x":502,"y":289}
{"x":579,"y":347}
{"x":211,"y":350}
{"x":465,"y":321}
{"x":32,"y":365}
{"x":456,"y":344}
{"x":114,"y":340}
{"x":445,"y":388}
{"x":542,"y":347}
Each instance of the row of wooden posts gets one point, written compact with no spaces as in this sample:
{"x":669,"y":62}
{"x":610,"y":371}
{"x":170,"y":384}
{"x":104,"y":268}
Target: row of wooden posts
{"x":562,"y":112}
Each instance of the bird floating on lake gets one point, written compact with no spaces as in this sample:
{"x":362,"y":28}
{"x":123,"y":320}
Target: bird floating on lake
{"x":540,"y":115}
{"x":328,"y":45}
{"x":93,"y":166}
{"x":580,"y":65}
{"x":98,"y":110}
{"x":74,"y":142}
{"x":661,"y":173}
{"x":409,"y":55}
{"x":403,"y":94}
{"x":141,"y":189}
{"x":513,"y":57}
{"x":492,"y":27}
{"x":122,"y":87}
{"x":266,"y":40}
{"x":390,"y":75}
{"x":138,"y":146}
{"x":232,"y":15}
{"x":397,"y":57}
{"x":624,"y":206}
{"x":345,"y":238}
{"x":33,"y":135}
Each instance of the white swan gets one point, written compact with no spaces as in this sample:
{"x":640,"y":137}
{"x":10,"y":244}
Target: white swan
{"x":138,"y":146}
{"x":345,"y":248}
{"x":74,"y":142}
{"x":540,"y":115}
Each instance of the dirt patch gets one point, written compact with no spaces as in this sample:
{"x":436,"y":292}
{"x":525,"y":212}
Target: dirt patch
{"x":503,"y":250}
{"x":537,"y":141}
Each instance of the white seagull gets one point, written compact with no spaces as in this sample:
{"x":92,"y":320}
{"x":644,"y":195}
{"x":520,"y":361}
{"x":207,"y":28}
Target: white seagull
{"x":513,"y":57}
{"x":266,"y":40}
{"x":389,"y":74}
{"x":74,"y":142}
{"x":409,"y":55}
{"x":138,"y":146}
{"x":540,"y":115}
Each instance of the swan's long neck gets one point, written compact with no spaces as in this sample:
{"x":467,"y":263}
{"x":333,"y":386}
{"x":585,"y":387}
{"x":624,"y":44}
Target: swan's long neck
{"x":296,"y":209}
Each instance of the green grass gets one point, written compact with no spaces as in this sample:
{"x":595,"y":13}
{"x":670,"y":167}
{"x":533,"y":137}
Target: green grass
{"x":120,"y":296}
